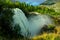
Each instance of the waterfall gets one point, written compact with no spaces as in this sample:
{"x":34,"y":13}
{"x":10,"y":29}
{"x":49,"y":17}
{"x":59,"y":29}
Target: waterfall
{"x":20,"y":19}
{"x":32,"y":24}
{"x":38,"y":21}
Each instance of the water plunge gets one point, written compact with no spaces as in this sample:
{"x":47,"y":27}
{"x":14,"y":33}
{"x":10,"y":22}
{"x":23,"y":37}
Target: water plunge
{"x":32,"y":24}
{"x":37,"y":22}
{"x":20,"y":19}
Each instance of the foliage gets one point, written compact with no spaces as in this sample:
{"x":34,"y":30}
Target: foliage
{"x":6,"y":24}
{"x":57,"y":38}
{"x":6,"y":15}
{"x":49,"y":36}
{"x":45,"y":36}
{"x":26,"y":8}
{"x":51,"y":26}
{"x":48,"y":29}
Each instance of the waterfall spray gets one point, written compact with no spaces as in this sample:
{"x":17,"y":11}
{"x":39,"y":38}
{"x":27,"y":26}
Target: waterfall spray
{"x":32,"y":24}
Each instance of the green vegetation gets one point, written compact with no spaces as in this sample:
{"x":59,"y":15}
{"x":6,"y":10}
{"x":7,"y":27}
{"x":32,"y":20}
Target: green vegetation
{"x":50,"y":2}
{"x":6,"y":25}
{"x":57,"y":38}
{"x":26,"y":8}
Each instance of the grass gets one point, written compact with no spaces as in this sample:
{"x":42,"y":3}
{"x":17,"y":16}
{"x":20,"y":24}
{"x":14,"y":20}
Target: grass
{"x":43,"y":10}
{"x":49,"y":36}
{"x":44,"y":36}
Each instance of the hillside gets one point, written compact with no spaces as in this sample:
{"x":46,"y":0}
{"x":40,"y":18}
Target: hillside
{"x":50,"y":2}
{"x":56,"y":7}
{"x":51,"y":10}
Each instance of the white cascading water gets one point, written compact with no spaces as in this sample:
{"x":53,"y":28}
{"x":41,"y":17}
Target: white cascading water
{"x":20,"y":19}
{"x":37,"y":22}
{"x":32,"y":24}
